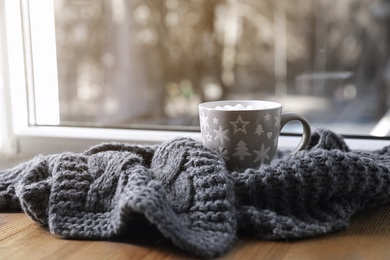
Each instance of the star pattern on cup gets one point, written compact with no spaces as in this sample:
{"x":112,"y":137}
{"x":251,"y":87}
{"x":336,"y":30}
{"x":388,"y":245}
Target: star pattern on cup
{"x":208,"y":137}
{"x":262,"y":154}
{"x":204,"y":124}
{"x":221,"y":134}
{"x":235,"y":147}
{"x":239,"y":125}
{"x":267,"y":117}
{"x":277,"y":121}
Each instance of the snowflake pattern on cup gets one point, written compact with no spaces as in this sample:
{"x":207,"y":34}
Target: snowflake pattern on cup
{"x":240,"y":138}
{"x":246,"y":132}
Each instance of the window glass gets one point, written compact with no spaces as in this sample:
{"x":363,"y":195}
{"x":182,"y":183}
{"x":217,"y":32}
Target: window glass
{"x":148,"y":64}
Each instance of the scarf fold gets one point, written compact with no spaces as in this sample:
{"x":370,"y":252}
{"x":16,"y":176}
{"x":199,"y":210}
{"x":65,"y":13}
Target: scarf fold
{"x":185,"y":190}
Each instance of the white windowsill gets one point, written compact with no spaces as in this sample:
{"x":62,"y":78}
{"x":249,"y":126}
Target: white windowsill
{"x":57,"y":139}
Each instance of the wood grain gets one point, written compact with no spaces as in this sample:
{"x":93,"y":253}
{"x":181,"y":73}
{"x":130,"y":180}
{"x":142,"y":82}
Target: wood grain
{"x":367,"y":238}
{"x":21,"y":238}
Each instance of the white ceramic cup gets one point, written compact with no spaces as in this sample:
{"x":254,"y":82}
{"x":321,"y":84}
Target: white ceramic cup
{"x":246,"y":132}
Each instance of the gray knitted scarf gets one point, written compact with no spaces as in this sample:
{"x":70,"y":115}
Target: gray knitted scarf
{"x":185,"y":191}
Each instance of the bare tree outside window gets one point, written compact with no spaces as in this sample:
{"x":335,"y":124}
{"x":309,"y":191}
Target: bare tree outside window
{"x":147,"y":63}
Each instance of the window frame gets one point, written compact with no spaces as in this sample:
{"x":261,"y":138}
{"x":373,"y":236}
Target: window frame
{"x":20,"y":133}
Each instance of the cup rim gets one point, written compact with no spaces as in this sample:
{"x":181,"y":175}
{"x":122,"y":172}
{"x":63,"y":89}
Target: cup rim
{"x":211,"y":105}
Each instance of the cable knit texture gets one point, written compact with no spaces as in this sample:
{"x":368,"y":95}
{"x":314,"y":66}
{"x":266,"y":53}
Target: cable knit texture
{"x":184,"y":190}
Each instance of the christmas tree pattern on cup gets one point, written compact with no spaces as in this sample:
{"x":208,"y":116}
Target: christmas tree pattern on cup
{"x":246,"y":132}
{"x":236,"y":131}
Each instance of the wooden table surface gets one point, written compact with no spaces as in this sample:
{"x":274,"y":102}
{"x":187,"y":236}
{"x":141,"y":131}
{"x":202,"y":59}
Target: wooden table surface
{"x":368,"y":237}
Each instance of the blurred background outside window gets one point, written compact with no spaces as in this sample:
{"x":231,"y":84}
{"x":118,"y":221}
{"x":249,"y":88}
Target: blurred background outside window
{"x":148,"y":64}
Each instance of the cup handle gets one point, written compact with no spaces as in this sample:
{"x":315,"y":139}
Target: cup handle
{"x":290,"y":116}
